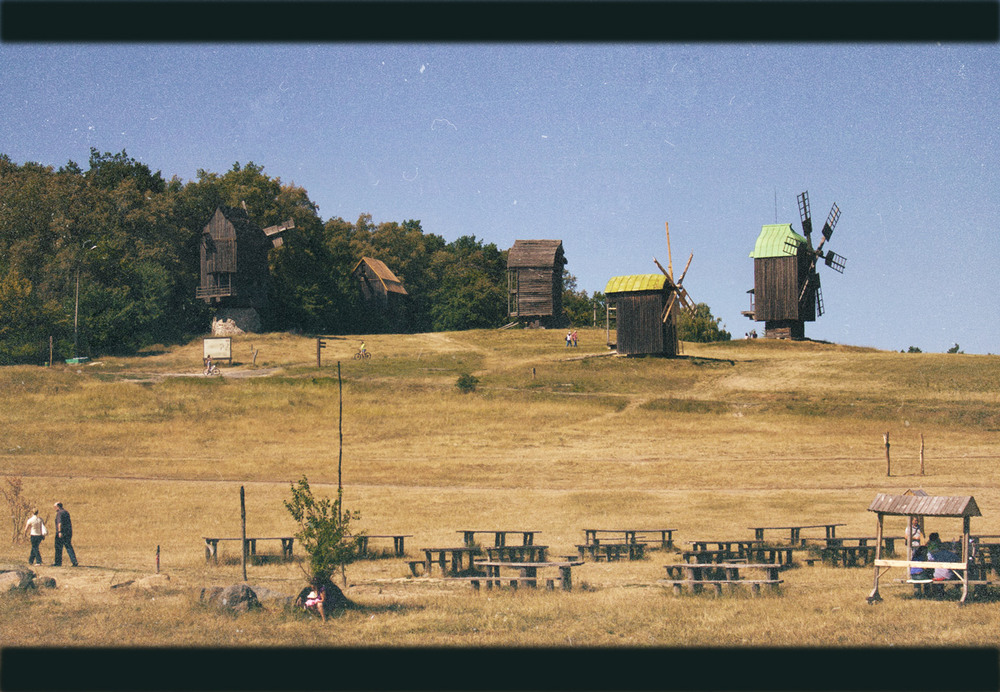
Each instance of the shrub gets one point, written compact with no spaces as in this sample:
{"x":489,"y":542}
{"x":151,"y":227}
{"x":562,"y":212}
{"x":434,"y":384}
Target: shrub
{"x":467,"y":383}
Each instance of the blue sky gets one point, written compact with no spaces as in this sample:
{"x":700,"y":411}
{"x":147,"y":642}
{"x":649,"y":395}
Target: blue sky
{"x":595,"y":144}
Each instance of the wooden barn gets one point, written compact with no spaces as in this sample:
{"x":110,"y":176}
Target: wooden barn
{"x":234,"y":269}
{"x":782,"y":266}
{"x":535,"y":282}
{"x":640,"y":303}
{"x":382,"y":293}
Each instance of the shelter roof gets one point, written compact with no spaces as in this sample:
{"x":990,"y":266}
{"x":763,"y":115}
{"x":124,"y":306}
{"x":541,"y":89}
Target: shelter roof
{"x":636,"y":282}
{"x":384,"y":274}
{"x":773,"y":241}
{"x":535,"y":253}
{"x":239,"y":219}
{"x":925,"y":505}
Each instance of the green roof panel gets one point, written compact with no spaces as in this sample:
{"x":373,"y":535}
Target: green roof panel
{"x":772,"y":241}
{"x":636,"y":282}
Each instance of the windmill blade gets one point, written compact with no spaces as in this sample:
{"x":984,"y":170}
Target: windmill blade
{"x":670,"y":280}
{"x":811,"y":284}
{"x":831,"y":222}
{"x":665,"y":315}
{"x":835,"y":261}
{"x":791,"y":246}
{"x":806,"y":216}
{"x":684,"y":273}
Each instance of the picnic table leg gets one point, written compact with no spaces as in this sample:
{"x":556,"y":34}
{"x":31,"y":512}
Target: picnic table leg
{"x":758,"y":534}
{"x":469,"y":538}
{"x":286,"y":547}
{"x":567,"y":582}
{"x":528,"y":538}
{"x":398,"y":540}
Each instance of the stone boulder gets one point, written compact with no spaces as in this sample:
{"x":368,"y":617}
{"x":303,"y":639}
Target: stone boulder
{"x":17,"y":579}
{"x":237,"y":598}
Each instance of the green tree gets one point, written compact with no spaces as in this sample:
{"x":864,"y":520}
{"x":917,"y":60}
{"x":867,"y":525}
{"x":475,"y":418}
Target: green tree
{"x":955,"y":349}
{"x":701,"y":326}
{"x":471,"y":288}
{"x":324,"y":530}
{"x":913,"y":349}
{"x":580,"y":309}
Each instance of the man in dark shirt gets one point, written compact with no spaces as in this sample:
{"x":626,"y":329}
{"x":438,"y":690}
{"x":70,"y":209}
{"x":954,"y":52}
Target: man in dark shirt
{"x":64,"y":536}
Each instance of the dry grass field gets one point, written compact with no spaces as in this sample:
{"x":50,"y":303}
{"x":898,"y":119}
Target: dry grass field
{"x":146,"y":452}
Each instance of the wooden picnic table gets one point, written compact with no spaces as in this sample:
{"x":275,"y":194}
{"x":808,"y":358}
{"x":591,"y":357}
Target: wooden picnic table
{"x":517,"y":553}
{"x":794,"y":532}
{"x":743,"y":545}
{"x":612,"y":551}
{"x":499,"y":536}
{"x":398,"y":542}
{"x":630,"y":535}
{"x":461,"y":559}
{"x":888,"y":542}
{"x":249,"y":545}
{"x":527,"y":571}
{"x":697,"y":576}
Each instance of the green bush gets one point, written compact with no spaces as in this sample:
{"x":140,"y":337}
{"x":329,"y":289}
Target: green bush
{"x":467,"y":383}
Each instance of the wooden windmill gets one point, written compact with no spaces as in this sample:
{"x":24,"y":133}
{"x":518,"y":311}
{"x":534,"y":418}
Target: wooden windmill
{"x":646,"y":307}
{"x":786,"y":292}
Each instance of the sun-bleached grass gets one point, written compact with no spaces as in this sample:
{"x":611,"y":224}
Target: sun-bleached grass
{"x":147,"y":453}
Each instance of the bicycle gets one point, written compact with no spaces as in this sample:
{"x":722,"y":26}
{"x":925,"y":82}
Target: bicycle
{"x":212,"y":370}
{"x":362,"y":355}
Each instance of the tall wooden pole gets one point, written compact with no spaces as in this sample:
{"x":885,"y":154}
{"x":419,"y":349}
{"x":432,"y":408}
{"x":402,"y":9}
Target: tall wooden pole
{"x":340,"y":455}
{"x":243,"y":531}
{"x":888,"y":465}
{"x":670,"y":259}
{"x":921,"y":454}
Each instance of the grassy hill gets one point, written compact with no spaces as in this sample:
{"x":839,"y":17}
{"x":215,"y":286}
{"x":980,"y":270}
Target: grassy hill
{"x":147,"y":452}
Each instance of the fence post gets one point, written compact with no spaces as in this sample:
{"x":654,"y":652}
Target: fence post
{"x":888,"y":464}
{"x":921,"y":454}
{"x":243,"y":532}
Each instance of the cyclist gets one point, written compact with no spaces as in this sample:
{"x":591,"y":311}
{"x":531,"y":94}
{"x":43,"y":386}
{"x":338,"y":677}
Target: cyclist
{"x":362,"y":349}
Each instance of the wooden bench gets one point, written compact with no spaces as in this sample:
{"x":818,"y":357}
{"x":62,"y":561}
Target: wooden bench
{"x":249,"y":546}
{"x":398,"y":543}
{"x":612,"y":550}
{"x":849,"y":555}
{"x":513,"y":582}
{"x":927,"y":587}
{"x":795,"y":532}
{"x":528,"y":572}
{"x":517,"y":553}
{"x":696,"y":585}
{"x":698,"y":575}
{"x":632,"y":536}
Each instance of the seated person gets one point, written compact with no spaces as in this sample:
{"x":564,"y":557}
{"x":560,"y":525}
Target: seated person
{"x":940,"y":552}
{"x":920,"y":572}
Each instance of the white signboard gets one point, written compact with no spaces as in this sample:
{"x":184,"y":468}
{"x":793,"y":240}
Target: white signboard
{"x":219,"y":347}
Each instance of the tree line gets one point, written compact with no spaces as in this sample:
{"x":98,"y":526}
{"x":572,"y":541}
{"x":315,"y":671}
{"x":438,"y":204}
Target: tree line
{"x":106,"y":261}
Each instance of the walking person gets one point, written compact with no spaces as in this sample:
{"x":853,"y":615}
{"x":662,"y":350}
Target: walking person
{"x":36,"y":531}
{"x":64,"y":536}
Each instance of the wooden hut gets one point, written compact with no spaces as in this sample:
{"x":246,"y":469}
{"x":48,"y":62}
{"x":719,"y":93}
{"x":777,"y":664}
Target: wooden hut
{"x":381,"y":292}
{"x":234,"y":270}
{"x":923,"y":505}
{"x":781,"y":267}
{"x":535,"y":282}
{"x":640,"y":303}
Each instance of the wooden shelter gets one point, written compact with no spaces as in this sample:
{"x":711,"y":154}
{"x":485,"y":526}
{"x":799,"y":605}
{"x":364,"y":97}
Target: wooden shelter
{"x":381,"y":291}
{"x":917,"y":505}
{"x":639,"y":303}
{"x":234,"y":270}
{"x":535,"y":282}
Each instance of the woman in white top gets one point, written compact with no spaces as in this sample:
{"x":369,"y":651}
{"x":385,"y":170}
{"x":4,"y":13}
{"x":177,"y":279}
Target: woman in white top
{"x":36,"y":531}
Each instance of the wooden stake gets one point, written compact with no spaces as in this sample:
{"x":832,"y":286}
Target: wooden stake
{"x":921,"y":454}
{"x":50,"y":351}
{"x":888,"y":464}
{"x":243,"y":531}
{"x":157,"y":559}
{"x":340,"y":456}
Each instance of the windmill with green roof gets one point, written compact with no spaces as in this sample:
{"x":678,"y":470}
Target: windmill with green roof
{"x":645,"y":309}
{"x":786,"y":292}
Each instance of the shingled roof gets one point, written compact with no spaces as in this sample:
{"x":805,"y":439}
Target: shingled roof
{"x":535,"y":253}
{"x":384,"y":274}
{"x":926,"y":505}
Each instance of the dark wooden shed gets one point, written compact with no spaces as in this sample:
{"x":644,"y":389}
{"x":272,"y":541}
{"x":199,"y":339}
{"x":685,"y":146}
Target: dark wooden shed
{"x":382,"y":293}
{"x":781,"y":267}
{"x":535,"y":282}
{"x":639,"y":302}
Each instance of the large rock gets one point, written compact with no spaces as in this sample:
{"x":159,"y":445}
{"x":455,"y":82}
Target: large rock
{"x":237,"y":598}
{"x":17,"y":579}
